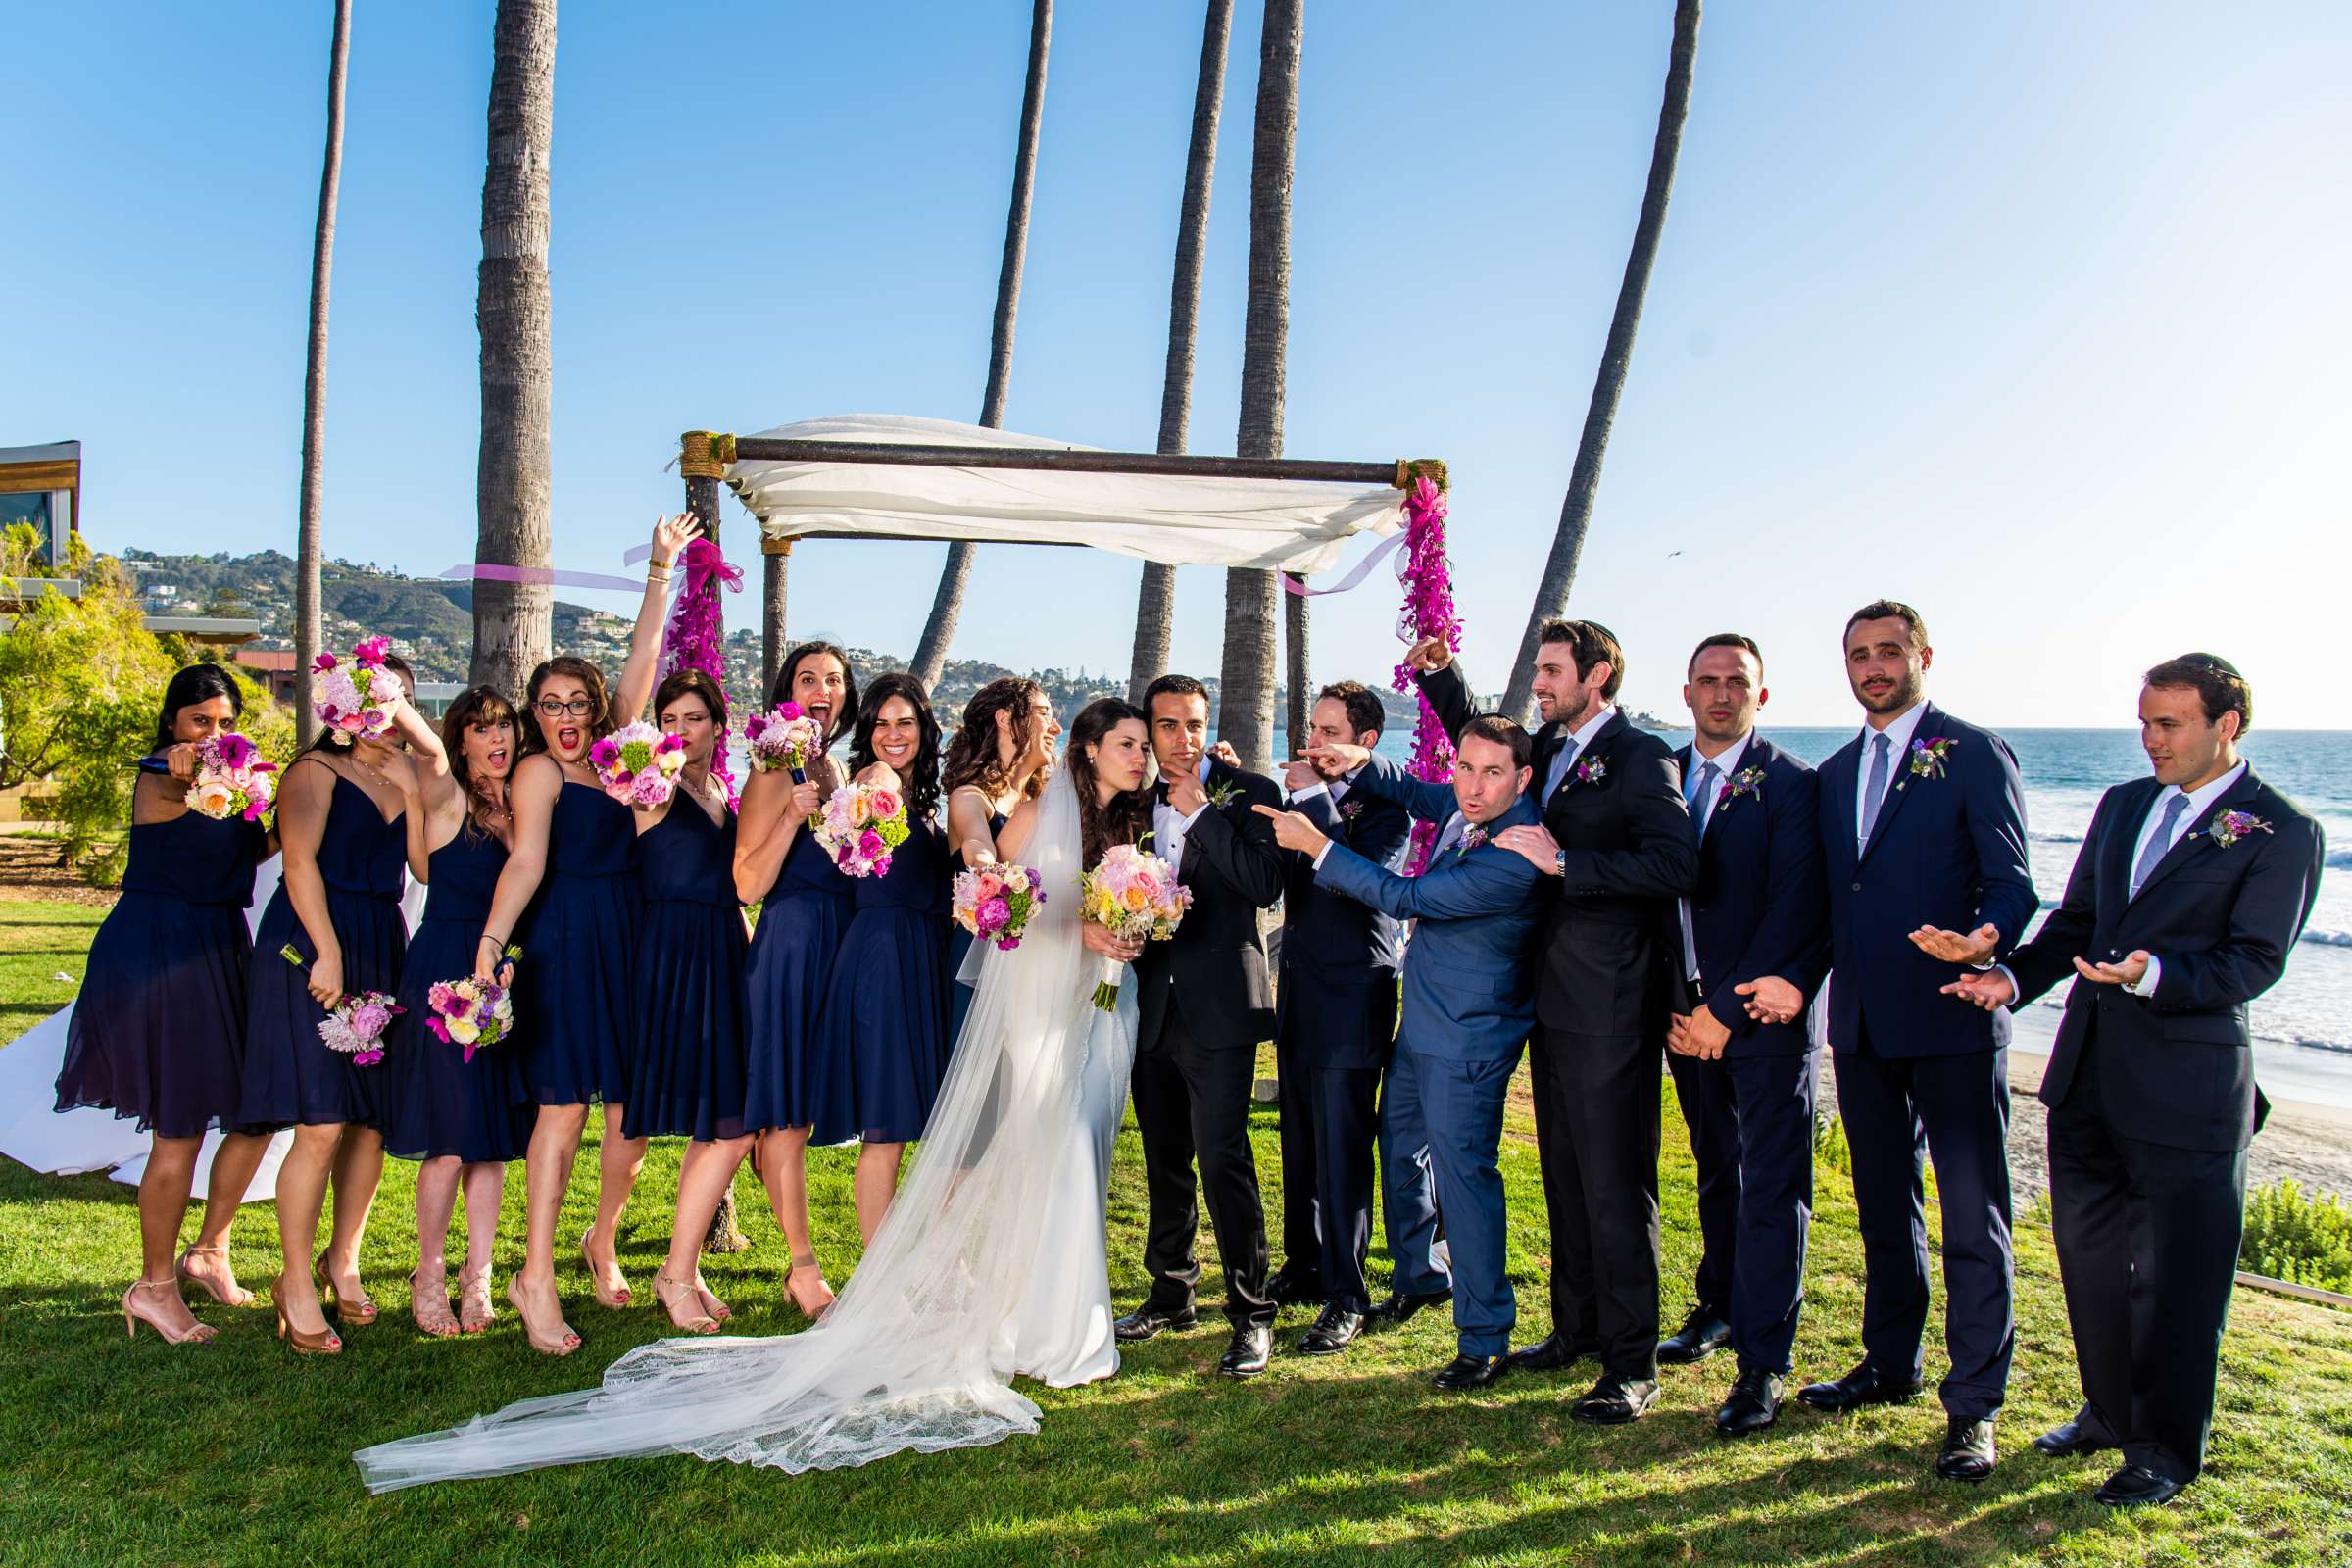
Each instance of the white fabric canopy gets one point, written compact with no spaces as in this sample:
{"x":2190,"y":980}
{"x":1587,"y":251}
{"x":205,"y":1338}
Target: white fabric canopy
{"x":1295,"y":524}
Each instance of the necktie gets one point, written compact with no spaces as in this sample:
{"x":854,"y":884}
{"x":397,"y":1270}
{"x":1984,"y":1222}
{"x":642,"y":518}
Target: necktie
{"x":2158,"y":842}
{"x":1873,"y":793}
{"x":1450,"y":835}
{"x":1559,"y":767}
{"x":1702,"y":791}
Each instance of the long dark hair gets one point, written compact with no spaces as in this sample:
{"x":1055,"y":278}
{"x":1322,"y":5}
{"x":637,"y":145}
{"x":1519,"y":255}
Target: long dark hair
{"x":600,"y":721}
{"x":972,"y":751}
{"x":331,"y":739}
{"x":198,"y":683}
{"x":478,"y":705}
{"x":922,"y":781}
{"x":1128,"y":816}
{"x":844,"y":717}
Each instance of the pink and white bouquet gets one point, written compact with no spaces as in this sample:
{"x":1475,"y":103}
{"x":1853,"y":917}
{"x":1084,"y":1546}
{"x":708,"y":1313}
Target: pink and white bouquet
{"x":787,"y":738}
{"x":638,"y":765}
{"x":860,"y":826}
{"x":232,"y":779}
{"x":355,"y":1026}
{"x":1131,"y":892}
{"x":471,"y":1012}
{"x":354,"y":697}
{"x":994,"y":903}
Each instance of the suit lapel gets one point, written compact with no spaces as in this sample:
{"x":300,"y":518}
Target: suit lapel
{"x":2192,"y":842}
{"x":2122,"y":838}
{"x":1900,"y":781}
{"x":1838,"y":780}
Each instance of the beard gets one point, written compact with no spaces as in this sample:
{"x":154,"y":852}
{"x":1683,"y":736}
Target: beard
{"x":1902,"y":695}
{"x":1571,"y":709}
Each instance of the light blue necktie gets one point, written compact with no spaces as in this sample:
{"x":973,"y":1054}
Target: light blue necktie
{"x":1559,"y":767}
{"x":1701,"y":788}
{"x":1874,"y":792}
{"x":2158,"y":842}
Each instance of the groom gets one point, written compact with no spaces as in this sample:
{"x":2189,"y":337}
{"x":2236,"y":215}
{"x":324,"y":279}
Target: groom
{"x":1204,"y":1005}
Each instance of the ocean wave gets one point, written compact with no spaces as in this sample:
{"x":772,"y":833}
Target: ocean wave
{"x":2338,"y":859}
{"x":2055,"y":1001}
{"x":2035,"y":837}
{"x":2328,"y":939}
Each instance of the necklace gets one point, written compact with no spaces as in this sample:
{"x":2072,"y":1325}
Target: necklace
{"x":370,"y":768}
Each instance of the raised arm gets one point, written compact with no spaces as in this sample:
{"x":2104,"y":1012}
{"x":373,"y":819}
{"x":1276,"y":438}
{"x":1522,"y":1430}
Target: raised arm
{"x":1244,"y":854}
{"x":640,"y":674}
{"x":305,"y":797}
{"x":1441,"y":682}
{"x":531,"y":795}
{"x":1384,"y":780}
{"x":1456,"y":888}
{"x":775,"y":809}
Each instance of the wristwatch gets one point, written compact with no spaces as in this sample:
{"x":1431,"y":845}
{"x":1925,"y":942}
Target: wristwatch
{"x":1559,"y":864}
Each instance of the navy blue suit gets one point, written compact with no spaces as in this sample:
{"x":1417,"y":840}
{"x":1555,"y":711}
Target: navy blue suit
{"x":1918,"y":1072}
{"x":1759,"y":908}
{"x":1335,"y":1016}
{"x":1469,"y":1001}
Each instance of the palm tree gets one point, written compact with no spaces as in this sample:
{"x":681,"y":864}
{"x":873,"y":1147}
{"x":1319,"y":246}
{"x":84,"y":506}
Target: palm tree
{"x":1245,"y":707}
{"x":313,"y":385}
{"x":512,"y":308}
{"x":1583,"y":480}
{"x":931,"y":653}
{"x":1155,"y":601}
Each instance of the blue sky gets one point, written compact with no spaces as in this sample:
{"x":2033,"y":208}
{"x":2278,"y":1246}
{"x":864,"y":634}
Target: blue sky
{"x":2030,"y":315}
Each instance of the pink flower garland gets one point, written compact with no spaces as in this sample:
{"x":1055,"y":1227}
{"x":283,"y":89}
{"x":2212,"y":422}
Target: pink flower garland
{"x":696,"y":636}
{"x":1428,"y":612}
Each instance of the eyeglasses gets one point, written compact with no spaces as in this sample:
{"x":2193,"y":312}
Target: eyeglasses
{"x":577,"y":708}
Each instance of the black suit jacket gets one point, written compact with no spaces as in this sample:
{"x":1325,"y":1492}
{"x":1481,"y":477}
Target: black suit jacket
{"x":2176,"y":1068}
{"x":1632,"y":851}
{"x":1337,"y":1002}
{"x":1215,"y":967}
{"x":1760,"y":906}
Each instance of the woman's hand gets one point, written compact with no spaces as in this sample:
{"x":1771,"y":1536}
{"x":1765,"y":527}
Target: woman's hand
{"x":878,"y":772}
{"x":486,"y":954}
{"x":183,"y":759}
{"x":807,"y":797}
{"x":327,"y":980}
{"x":1100,"y":938}
{"x":671,"y":535}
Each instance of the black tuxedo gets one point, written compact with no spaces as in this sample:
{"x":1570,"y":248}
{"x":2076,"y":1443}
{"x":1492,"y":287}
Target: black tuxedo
{"x":1336,"y":1018}
{"x":1759,"y":908}
{"x":1204,"y":1005}
{"x":1618,"y":814}
{"x":2152,"y":1099}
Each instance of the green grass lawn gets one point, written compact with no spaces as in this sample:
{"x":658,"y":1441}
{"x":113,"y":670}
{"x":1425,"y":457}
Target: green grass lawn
{"x":132,"y":1453}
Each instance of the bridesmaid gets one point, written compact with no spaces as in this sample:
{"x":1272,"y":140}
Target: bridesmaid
{"x":688,"y":1079}
{"x":998,"y":759}
{"x":805,"y":906}
{"x":885,"y":1020}
{"x":573,"y":850}
{"x":339,"y":818}
{"x":159,"y":1029}
{"x":462,"y":1119}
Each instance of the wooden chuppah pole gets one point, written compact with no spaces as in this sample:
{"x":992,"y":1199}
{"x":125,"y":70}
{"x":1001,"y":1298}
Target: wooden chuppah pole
{"x":1061,"y":460}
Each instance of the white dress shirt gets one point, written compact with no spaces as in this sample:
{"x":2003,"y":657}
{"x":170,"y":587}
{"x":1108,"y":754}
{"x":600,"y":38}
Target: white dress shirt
{"x":1725,"y":763}
{"x":1169,"y":829}
{"x":1898,"y":757}
{"x":2200,"y":800}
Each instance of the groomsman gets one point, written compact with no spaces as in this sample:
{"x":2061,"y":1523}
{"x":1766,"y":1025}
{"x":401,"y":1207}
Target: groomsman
{"x":2190,"y":891}
{"x":1335,"y":1015}
{"x":1745,"y":1085}
{"x":1923,"y":833}
{"x":1616,"y":834}
{"x":1468,"y":1002}
{"x":1204,"y":1005}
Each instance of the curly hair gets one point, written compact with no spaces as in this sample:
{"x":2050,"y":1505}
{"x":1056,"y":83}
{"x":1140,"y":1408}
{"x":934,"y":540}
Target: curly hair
{"x":972,"y":756}
{"x":601,"y":722}
{"x":921,"y":777}
{"x":1128,"y":815}
{"x":478,"y":705}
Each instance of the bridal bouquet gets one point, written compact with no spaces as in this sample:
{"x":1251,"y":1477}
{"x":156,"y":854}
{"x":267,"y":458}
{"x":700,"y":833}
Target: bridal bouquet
{"x":784,"y":738}
{"x":994,"y":903}
{"x":232,"y":779}
{"x":860,"y":826}
{"x":1131,"y":892}
{"x":355,"y":1026}
{"x":638,"y":765}
{"x":354,"y":699}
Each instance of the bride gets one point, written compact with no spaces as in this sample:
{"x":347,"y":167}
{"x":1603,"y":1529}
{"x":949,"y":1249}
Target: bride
{"x":990,"y":1264}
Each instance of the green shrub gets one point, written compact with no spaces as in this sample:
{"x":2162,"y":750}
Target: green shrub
{"x":1829,"y":1142}
{"x":2303,"y":1240}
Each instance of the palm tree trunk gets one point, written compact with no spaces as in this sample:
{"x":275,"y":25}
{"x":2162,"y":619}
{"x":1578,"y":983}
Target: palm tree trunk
{"x":1245,"y":707}
{"x":931,"y":653}
{"x":1583,"y":480}
{"x":774,"y":577}
{"x":1155,"y":600}
{"x":512,"y":309}
{"x":307,"y":551}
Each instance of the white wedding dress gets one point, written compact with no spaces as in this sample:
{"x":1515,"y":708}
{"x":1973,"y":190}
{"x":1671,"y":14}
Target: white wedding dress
{"x":990,"y":1264}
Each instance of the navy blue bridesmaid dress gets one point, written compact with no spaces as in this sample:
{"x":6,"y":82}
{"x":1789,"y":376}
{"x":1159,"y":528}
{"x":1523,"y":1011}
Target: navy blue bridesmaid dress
{"x":785,"y":976}
{"x":159,"y":1030}
{"x":576,"y":1006}
{"x":435,"y":1104}
{"x":689,"y":1077}
{"x":292,"y":1077}
{"x":959,"y":945}
{"x":885,"y":1011}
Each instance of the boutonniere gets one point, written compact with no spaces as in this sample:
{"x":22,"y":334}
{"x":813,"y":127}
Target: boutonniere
{"x":2231,"y":826}
{"x":1746,"y":781}
{"x":1472,"y":838}
{"x":1591,"y":770}
{"x":1927,"y":757}
{"x":1222,"y":794}
{"x":1351,"y":810}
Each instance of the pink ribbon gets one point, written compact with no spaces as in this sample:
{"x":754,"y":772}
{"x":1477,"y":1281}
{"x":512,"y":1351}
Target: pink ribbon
{"x":705,"y":562}
{"x":540,"y":576}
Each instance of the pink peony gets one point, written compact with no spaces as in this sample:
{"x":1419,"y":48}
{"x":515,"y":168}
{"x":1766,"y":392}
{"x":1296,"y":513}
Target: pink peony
{"x":883,"y":803}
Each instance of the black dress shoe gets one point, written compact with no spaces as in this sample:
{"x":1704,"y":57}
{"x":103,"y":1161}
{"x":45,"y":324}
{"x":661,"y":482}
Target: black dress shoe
{"x":1614,"y":1400}
{"x":1285,"y":1291}
{"x":1550,"y":1353}
{"x":1701,"y":1335}
{"x":1468,"y":1371}
{"x":2080,"y":1436}
{"x":1967,"y":1453}
{"x":1400,"y":1306}
{"x":1147,"y":1322}
{"x":2137,"y":1486}
{"x":1753,"y":1405}
{"x":1245,"y":1356}
{"x":1864,"y":1384}
{"x":1334,"y":1331}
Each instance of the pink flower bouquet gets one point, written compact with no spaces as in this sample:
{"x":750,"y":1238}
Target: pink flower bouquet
{"x":784,"y":738}
{"x":471,"y":1012}
{"x":355,"y":1026}
{"x":860,"y":826}
{"x":352,"y":697}
{"x":994,"y":903}
{"x":638,"y":765}
{"x":1131,"y":892}
{"x":232,"y":779}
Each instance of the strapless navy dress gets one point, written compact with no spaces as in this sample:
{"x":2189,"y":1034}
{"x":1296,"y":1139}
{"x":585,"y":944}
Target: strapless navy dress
{"x":884,"y":1017}
{"x":785,"y":976}
{"x":576,"y":1006}
{"x":959,"y":945}
{"x":689,"y":1075}
{"x":159,"y":1030}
